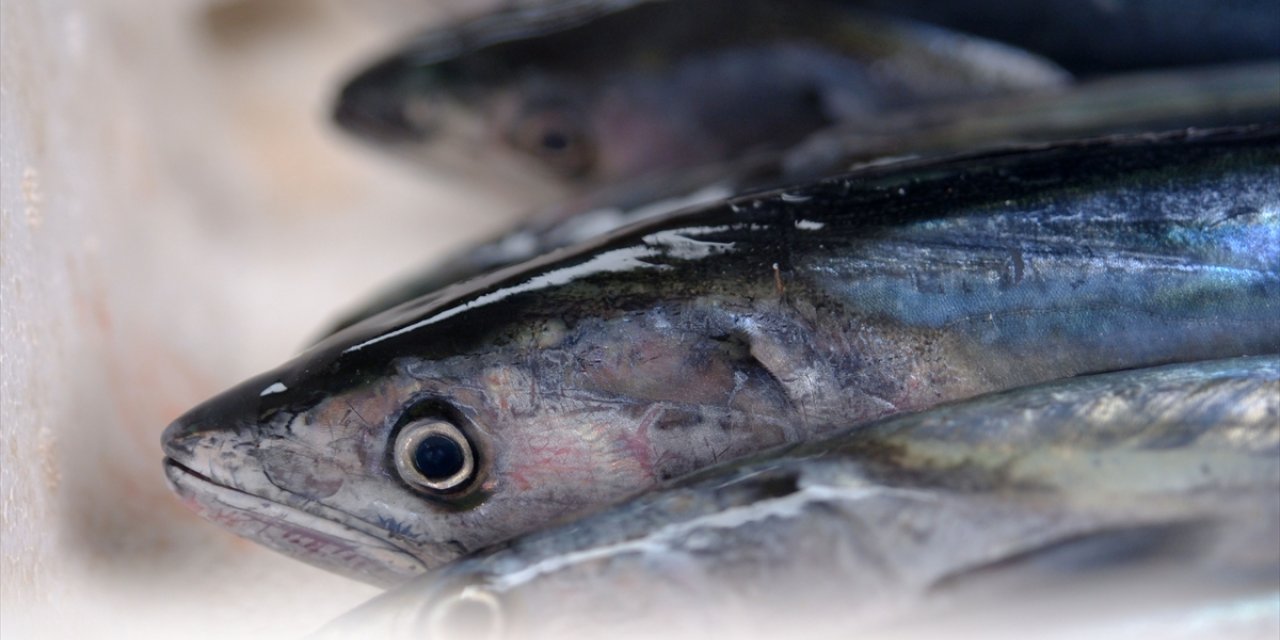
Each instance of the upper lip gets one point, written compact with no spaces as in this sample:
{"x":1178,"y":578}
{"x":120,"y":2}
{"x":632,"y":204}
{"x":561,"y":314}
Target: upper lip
{"x":170,"y":461}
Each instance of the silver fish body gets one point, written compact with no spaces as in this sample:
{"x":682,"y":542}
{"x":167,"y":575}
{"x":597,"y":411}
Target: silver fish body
{"x":1097,"y":506}
{"x":560,"y":386}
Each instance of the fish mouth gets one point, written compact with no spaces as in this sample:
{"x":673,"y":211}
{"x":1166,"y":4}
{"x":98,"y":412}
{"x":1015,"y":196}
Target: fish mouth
{"x":318,"y":541}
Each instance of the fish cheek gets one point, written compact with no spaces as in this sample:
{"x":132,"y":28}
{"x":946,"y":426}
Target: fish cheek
{"x":322,"y":449}
{"x":644,"y":366}
{"x":690,"y":400}
{"x":722,"y":370}
{"x":557,"y":448}
{"x":306,"y":474}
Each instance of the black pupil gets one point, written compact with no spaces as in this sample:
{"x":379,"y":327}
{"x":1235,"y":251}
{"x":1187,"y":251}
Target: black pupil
{"x":438,"y":457}
{"x":555,"y":140}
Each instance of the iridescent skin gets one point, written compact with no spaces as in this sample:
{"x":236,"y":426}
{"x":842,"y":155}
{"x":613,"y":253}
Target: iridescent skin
{"x":1115,"y":498}
{"x":595,"y":373}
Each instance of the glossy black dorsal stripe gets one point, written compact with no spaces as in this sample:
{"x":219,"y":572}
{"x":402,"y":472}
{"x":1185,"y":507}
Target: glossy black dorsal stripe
{"x":763,"y":230}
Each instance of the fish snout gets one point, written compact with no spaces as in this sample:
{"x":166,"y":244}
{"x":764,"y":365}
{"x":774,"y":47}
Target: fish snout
{"x":204,"y":448}
{"x":215,"y":436}
{"x":182,"y":438}
{"x":386,"y":105}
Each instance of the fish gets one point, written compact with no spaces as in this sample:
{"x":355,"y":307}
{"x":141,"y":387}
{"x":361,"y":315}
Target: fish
{"x":582,"y":93}
{"x":1201,"y":97}
{"x":1090,"y":38}
{"x":559,"y":386}
{"x":1093,"y":506}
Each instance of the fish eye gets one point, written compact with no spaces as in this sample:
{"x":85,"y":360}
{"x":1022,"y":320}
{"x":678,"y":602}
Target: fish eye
{"x":433,"y":454}
{"x":557,"y":137}
{"x":472,"y":613}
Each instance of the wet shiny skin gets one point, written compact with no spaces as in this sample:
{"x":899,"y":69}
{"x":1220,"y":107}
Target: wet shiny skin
{"x":896,"y":288}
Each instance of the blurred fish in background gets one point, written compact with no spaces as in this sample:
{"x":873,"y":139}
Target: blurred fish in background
{"x":600,"y":92}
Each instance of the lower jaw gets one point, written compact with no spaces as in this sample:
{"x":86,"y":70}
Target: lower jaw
{"x":323,"y":543}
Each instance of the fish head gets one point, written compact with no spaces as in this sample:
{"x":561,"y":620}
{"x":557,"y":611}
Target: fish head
{"x":474,"y":121}
{"x":594,"y":95}
{"x":489,"y":117}
{"x":486,"y":99}
{"x":397,"y":445}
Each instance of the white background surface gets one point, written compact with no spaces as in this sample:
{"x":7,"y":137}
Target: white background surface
{"x":177,"y":215}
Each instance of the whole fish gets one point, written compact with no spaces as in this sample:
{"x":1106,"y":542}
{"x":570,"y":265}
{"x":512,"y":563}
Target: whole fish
{"x":1095,"y":503}
{"x":593,"y":92}
{"x":1124,"y":103}
{"x":556,"y":387}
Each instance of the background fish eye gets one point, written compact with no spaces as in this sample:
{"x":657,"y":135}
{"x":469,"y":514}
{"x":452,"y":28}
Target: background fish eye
{"x":434,"y":455}
{"x":556,"y":136}
{"x":473,"y":613}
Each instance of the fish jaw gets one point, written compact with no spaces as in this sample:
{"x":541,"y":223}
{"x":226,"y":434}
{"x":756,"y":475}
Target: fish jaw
{"x":324,"y":543}
{"x":212,"y":462}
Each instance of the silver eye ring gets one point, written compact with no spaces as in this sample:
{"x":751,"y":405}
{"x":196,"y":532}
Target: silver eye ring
{"x":434,"y":455}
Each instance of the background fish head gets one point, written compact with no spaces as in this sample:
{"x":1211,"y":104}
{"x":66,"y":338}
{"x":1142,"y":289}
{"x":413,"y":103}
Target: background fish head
{"x":456,"y":101}
{"x":605,"y":92}
{"x":324,"y":458}
{"x":491,"y":117}
{"x":442,"y":116}
{"x":528,"y":93}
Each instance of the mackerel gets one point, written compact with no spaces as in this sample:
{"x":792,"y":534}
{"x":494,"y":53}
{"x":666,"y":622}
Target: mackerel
{"x":557,"y":387}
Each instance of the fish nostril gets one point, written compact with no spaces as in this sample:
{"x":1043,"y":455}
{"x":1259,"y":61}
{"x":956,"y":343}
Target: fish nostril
{"x":182,"y":437}
{"x":355,"y":117}
{"x":224,"y":420}
{"x":379,"y":120}
{"x":200,"y":429}
{"x":206,"y":448}
{"x":383,"y":106}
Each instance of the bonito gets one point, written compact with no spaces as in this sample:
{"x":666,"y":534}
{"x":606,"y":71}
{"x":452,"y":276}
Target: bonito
{"x":557,"y":387}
